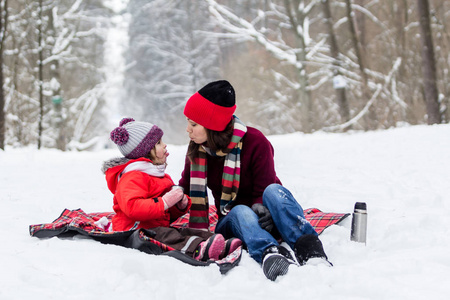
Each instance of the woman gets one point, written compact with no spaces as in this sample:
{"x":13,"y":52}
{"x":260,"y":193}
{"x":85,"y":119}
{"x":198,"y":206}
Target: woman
{"x":236,"y":163}
{"x":145,"y":196}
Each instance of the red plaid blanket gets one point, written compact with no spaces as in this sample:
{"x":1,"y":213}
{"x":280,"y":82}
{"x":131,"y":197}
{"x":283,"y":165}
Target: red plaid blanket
{"x":80,"y":221}
{"x":96,"y":225}
{"x":318,"y":219}
{"x":74,"y":219}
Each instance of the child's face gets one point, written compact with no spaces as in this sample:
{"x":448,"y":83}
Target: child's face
{"x":197,"y":132}
{"x":160,"y":153}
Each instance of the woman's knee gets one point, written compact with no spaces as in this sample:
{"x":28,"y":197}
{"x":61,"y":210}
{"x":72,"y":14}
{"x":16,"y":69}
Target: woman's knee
{"x":271,"y":192}
{"x":240,"y":216}
{"x":243,"y":215}
{"x":241,"y":211}
{"x":273,"y":187}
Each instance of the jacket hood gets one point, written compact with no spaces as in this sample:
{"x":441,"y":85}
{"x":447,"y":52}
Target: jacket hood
{"x":114,"y":162}
{"x":114,"y":167}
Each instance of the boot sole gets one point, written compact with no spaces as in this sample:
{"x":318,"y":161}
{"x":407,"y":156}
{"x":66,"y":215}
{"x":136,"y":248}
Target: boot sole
{"x":275,"y":266}
{"x":215,"y":243}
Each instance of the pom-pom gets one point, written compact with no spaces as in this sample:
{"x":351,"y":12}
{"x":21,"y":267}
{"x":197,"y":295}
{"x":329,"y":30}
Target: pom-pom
{"x":125,"y":121}
{"x":119,"y":136}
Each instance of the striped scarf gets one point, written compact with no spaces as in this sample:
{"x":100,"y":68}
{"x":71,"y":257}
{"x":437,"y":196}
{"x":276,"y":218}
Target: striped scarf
{"x":230,"y":179}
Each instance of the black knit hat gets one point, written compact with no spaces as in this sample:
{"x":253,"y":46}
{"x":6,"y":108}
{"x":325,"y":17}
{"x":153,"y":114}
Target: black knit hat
{"x":219,"y":92}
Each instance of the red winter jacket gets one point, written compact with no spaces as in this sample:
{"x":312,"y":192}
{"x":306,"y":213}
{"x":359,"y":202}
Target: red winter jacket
{"x":257,"y":170}
{"x":137,"y":197}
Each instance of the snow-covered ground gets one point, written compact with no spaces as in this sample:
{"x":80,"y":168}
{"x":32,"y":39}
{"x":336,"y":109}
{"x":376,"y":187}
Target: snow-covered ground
{"x":402,"y":174}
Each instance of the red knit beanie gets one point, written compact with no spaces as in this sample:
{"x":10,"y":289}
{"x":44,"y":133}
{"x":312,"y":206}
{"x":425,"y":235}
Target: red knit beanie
{"x":212,"y":106}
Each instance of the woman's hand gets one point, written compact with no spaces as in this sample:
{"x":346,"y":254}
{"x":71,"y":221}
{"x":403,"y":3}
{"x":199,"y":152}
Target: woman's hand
{"x":265,"y":218}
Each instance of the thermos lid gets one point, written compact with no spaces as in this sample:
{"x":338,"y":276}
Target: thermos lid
{"x":360,"y":206}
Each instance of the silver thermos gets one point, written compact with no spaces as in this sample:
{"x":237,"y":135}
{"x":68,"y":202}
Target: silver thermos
{"x":359,"y":223}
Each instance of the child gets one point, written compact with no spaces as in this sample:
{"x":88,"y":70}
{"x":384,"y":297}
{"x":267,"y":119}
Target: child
{"x":145,"y":196}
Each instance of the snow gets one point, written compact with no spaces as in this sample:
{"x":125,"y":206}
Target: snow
{"x":402,"y":174}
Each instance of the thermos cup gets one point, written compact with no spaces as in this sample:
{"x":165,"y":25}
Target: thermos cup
{"x":359,"y":223}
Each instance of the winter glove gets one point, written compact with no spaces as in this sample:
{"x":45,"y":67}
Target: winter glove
{"x":265,"y":218}
{"x":183,"y":203}
{"x":172,"y":197}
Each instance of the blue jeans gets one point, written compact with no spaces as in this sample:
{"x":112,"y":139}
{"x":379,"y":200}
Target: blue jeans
{"x":287,"y":215}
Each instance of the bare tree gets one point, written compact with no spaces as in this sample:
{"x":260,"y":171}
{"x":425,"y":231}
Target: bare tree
{"x":281,"y":56}
{"x":354,"y":39}
{"x":170,"y":57}
{"x":3,"y":27}
{"x":55,"y":79}
{"x":283,"y":30}
{"x":40,"y":72}
{"x":335,"y":53}
{"x":428,"y":64}
{"x":371,"y":117}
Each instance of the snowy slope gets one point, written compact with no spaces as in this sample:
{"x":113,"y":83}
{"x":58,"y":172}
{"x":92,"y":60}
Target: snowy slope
{"x":402,"y":174}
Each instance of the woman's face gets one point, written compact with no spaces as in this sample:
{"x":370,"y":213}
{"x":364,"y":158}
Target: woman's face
{"x":159,"y":153}
{"x":197,"y":133}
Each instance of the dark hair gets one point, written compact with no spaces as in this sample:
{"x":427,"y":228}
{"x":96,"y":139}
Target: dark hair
{"x":215,"y":140}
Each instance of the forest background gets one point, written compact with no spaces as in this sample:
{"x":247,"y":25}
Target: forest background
{"x":70,"y":69}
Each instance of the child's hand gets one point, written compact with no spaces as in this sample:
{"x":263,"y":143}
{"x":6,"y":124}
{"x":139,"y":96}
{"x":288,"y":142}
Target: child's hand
{"x":183,"y":203}
{"x":172,"y":197}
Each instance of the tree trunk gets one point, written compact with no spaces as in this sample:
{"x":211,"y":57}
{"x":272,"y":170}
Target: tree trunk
{"x":428,"y":64}
{"x":371,"y":120}
{"x":58,"y":121}
{"x":340,"y":91}
{"x":3,"y":24}
{"x":304,"y":94}
{"x":355,"y":40}
{"x":40,"y":77}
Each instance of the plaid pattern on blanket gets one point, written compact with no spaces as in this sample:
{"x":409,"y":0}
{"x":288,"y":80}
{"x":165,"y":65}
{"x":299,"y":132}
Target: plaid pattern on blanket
{"x":75,"y":219}
{"x":96,"y":225}
{"x":318,"y":219}
{"x":183,"y":221}
{"x":79,"y":220}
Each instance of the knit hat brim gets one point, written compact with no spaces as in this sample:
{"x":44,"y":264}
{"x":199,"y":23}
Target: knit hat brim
{"x":209,"y":115}
{"x":147,"y":143}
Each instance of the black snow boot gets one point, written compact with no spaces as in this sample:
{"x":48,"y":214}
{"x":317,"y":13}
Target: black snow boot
{"x":276,"y":261}
{"x":309,"y":246}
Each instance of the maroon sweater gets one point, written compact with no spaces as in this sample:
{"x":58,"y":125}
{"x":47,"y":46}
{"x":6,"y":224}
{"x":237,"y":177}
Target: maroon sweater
{"x":257,"y":171}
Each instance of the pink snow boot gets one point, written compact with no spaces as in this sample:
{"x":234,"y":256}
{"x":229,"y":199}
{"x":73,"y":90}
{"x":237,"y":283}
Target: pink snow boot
{"x":210,"y":249}
{"x":230,"y":245}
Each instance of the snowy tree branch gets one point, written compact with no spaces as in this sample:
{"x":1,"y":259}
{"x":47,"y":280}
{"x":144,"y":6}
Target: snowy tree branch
{"x":374,"y":97}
